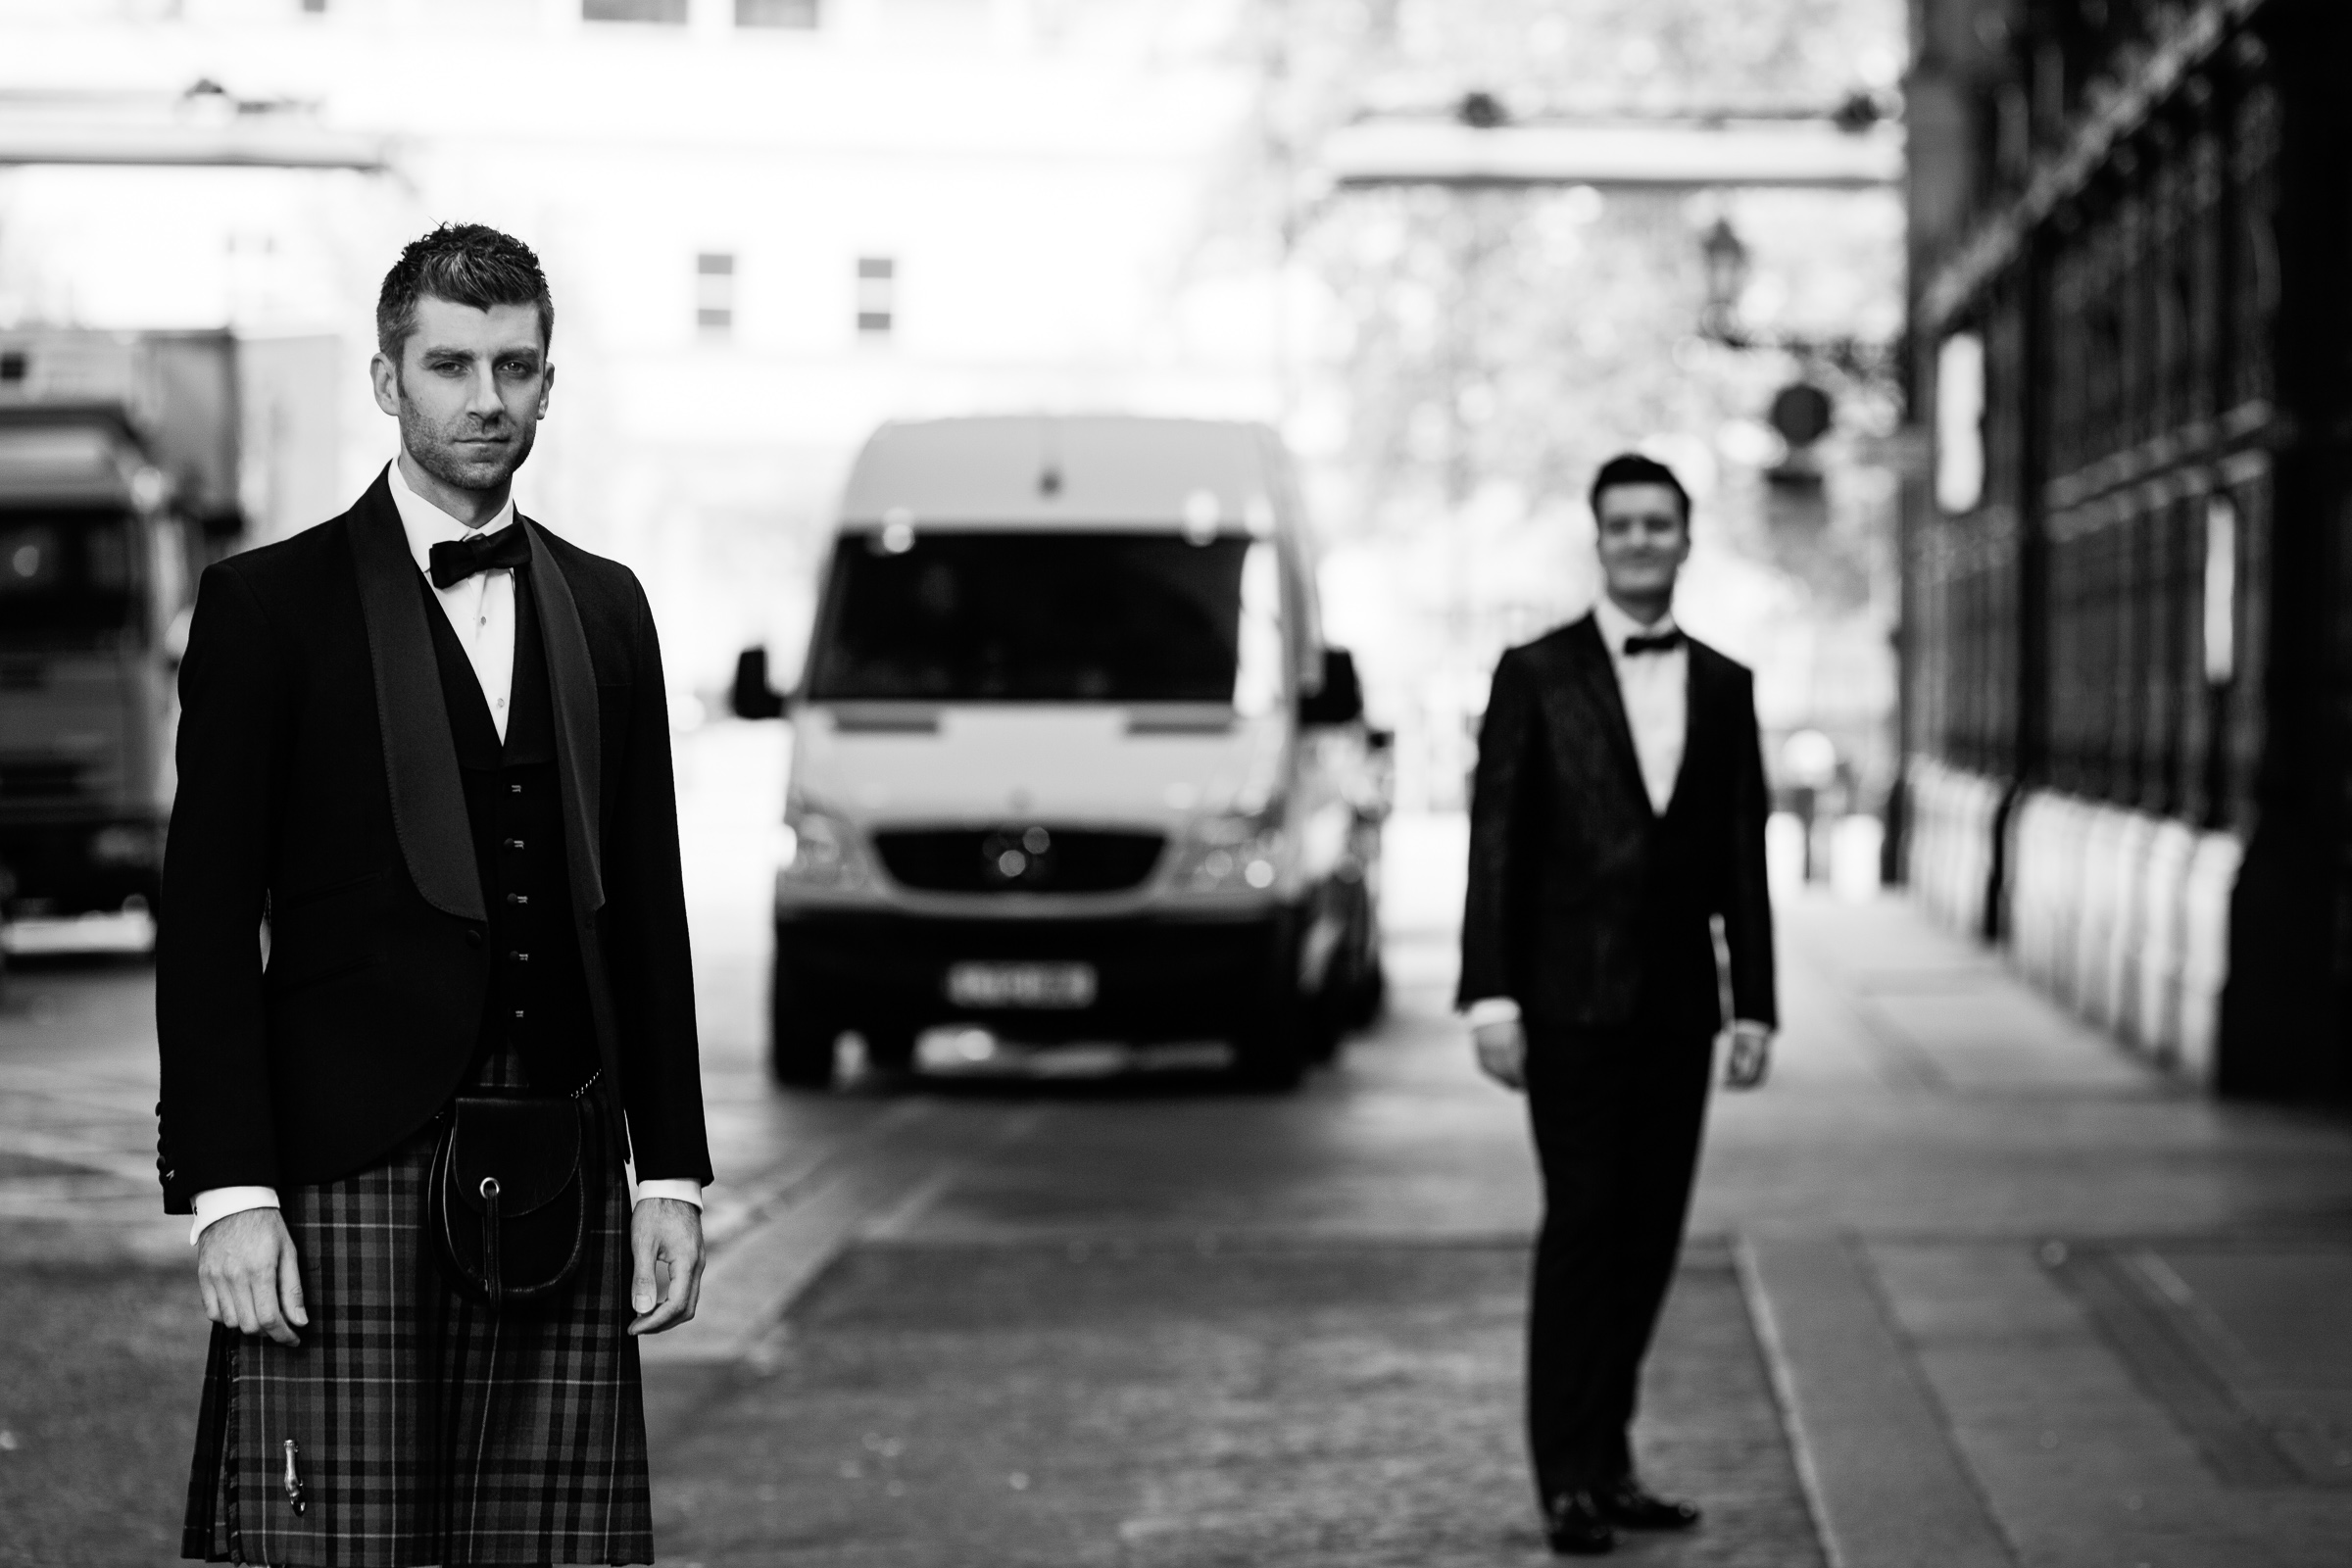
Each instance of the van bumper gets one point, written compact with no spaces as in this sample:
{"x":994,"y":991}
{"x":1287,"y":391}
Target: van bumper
{"x":1158,"y":977}
{"x":79,"y":863}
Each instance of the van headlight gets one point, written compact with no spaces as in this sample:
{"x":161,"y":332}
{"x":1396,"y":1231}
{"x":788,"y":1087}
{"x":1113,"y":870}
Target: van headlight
{"x":127,"y":843}
{"x":823,"y":852}
{"x":1232,"y":852}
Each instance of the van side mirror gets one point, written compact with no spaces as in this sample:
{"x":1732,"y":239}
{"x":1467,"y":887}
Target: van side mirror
{"x":175,"y":636}
{"x":752,"y":697}
{"x":1341,"y":700}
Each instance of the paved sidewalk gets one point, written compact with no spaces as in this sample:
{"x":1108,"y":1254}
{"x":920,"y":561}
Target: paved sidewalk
{"x":1318,"y":1401}
{"x":78,"y":1091}
{"x":2027,"y":1300}
{"x":1969,"y":1285}
{"x":2015,"y":1298}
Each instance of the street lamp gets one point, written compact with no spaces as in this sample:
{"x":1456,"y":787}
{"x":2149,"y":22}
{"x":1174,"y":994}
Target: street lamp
{"x":1726,"y":262}
{"x":1482,"y":110}
{"x":1728,"y":265}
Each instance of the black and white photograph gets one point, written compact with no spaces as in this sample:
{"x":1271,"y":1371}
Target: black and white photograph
{"x":1176,"y":783}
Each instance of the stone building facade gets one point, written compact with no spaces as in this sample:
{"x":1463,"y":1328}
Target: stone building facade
{"x":2126,"y":667}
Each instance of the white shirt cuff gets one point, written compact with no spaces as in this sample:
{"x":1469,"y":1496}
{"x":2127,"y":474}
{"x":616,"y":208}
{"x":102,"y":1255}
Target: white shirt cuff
{"x":1491,"y":1009}
{"x":219,"y":1202}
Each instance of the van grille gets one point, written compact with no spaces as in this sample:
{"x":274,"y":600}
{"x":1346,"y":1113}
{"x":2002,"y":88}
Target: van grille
{"x":42,"y":780}
{"x":1018,"y":860}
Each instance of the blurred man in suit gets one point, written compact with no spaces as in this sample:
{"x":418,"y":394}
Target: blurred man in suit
{"x":1618,"y":812}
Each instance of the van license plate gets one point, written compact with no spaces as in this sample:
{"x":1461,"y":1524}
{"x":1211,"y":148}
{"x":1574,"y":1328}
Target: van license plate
{"x":1021,"y":985}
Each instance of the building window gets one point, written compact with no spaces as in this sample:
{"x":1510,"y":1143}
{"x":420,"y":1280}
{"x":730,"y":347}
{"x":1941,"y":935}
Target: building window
{"x":714,"y":293}
{"x":2221,"y":591}
{"x":877,"y":295}
{"x":669,"y":13}
{"x":1960,"y":424}
{"x":797,"y":13}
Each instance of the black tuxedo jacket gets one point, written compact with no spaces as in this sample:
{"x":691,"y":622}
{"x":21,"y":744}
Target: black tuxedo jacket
{"x":319,"y":792}
{"x":1585,"y":905}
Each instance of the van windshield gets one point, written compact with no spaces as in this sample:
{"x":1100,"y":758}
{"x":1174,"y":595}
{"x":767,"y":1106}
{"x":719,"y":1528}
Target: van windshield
{"x":65,"y":576}
{"x":1032,"y":617}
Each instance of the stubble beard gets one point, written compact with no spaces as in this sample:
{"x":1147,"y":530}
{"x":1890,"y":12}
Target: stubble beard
{"x":436,"y":453}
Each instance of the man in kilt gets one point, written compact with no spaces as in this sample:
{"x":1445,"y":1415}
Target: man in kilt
{"x":425,"y":856}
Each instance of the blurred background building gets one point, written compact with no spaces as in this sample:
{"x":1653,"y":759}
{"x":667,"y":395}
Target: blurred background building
{"x":772,"y":224}
{"x":1529,"y":235}
{"x":2124,"y":712}
{"x":769,"y":224}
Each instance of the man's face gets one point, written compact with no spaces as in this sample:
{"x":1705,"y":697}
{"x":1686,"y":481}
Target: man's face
{"x":1643,"y":539}
{"x":470,"y":390}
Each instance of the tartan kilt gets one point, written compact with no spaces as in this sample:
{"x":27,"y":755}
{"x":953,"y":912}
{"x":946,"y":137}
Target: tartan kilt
{"x":429,"y":1429}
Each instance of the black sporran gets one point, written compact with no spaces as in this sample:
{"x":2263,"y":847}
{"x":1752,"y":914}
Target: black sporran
{"x":507,"y":1198}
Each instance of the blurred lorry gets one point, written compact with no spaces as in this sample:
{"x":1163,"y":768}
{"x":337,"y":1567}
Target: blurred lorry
{"x":127,"y":462}
{"x":1070,"y":762}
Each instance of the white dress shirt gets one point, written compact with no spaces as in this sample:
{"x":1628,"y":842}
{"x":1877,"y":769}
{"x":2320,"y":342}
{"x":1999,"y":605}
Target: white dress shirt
{"x":1655,"y":686}
{"x":480,"y":608}
{"x":1656,"y":689}
{"x":481,"y":611}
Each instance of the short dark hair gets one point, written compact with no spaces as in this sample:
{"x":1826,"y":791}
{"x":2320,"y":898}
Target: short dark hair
{"x":1632,"y":467}
{"x":466,"y":263}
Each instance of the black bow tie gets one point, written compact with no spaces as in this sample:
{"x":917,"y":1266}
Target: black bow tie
{"x":460,"y":558}
{"x":1640,"y":643}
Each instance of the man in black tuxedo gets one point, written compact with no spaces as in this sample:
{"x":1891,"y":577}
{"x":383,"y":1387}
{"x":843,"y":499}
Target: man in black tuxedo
{"x":425,"y":842}
{"x":1618,"y":811}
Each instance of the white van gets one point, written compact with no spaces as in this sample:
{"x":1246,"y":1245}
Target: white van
{"x":1071,"y":763}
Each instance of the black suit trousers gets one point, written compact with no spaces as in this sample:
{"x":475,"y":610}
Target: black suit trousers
{"x":1617,"y":1116}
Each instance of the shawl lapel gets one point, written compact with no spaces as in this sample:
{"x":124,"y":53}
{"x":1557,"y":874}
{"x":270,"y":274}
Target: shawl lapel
{"x":1699,"y":728}
{"x":420,"y":757}
{"x":1598,"y":677}
{"x":420,"y":760}
{"x":579,"y":774}
{"x":579,"y":755}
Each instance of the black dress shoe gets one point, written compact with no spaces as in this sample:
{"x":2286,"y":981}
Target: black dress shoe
{"x":1574,"y":1527}
{"x":1629,"y":1503}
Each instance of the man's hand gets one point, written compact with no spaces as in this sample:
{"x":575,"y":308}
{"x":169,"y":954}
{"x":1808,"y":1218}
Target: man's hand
{"x":1502,"y":1052}
{"x":246,"y":1267}
{"x":666,"y":1236}
{"x":1751,"y":1056}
